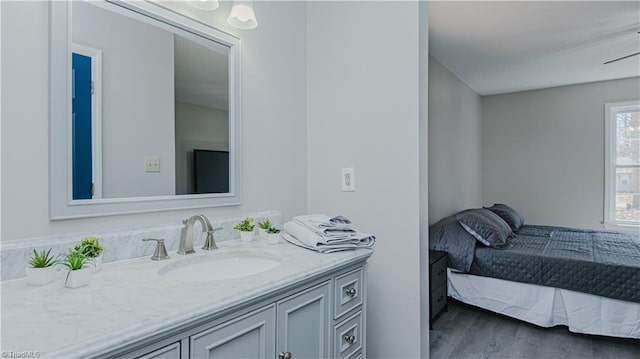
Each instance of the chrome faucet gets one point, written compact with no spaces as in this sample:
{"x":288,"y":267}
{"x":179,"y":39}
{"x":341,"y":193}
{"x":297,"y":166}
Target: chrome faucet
{"x":186,"y":240}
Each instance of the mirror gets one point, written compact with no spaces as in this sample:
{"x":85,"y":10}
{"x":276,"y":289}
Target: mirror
{"x":150,"y":119}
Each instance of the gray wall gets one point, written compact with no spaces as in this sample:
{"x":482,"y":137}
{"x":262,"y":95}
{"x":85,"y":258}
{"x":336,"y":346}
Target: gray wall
{"x":363,"y":112}
{"x":543,"y":151}
{"x":197,"y":127}
{"x":274,"y":111}
{"x":455,"y":169}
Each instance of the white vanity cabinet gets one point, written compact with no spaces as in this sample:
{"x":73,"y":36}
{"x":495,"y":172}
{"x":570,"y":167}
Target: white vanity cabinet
{"x":304,"y":324}
{"x":321,"y":317}
{"x":250,"y":336}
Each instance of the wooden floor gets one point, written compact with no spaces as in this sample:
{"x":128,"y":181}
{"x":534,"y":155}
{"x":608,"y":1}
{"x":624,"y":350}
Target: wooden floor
{"x":469,"y":332}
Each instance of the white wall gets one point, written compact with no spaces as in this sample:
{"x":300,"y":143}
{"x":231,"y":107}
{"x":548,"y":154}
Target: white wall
{"x":137,"y":98}
{"x":543,"y":151}
{"x":423,"y":157}
{"x":363,"y":112}
{"x":274,"y":111}
{"x":197,"y":127}
{"x":454,"y":144}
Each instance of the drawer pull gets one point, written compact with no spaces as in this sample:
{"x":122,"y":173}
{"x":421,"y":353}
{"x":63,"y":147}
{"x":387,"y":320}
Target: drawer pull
{"x":349,"y":338}
{"x":285,"y":355}
{"x":351,"y":292}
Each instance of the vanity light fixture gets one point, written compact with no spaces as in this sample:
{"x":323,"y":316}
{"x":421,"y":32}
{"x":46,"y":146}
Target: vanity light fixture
{"x":242,"y":15}
{"x":204,"y":4}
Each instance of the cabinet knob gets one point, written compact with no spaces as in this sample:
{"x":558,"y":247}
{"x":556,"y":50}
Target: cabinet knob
{"x":285,"y":355}
{"x":349,"y":338}
{"x":350,"y":292}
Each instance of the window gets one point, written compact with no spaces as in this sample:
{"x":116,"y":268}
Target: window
{"x":622,"y":163}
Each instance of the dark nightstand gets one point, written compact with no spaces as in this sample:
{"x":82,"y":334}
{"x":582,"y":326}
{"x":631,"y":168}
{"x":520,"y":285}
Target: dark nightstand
{"x":437,"y":284}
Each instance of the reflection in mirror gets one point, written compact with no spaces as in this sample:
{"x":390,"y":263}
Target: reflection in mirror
{"x":145,"y":109}
{"x":150,"y":108}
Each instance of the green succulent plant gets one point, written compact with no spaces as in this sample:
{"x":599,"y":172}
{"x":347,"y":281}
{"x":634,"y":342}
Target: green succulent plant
{"x":42,"y":259}
{"x":266,"y":224}
{"x":273,"y":230}
{"x":245,"y":225}
{"x":90,"y":247}
{"x":74,"y":260}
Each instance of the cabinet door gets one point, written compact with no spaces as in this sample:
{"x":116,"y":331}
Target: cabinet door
{"x":169,"y":352}
{"x":304,"y":323}
{"x":250,"y":336}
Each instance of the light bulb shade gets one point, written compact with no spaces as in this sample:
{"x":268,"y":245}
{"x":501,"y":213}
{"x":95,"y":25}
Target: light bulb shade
{"x":204,"y":4}
{"x":242,"y":15}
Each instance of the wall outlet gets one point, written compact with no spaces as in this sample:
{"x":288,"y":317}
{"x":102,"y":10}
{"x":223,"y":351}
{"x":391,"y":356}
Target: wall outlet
{"x":348,"y":180}
{"x":152,"y":164}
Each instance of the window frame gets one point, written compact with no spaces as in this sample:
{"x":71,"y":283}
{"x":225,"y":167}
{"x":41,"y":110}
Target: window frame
{"x":610,"y":154}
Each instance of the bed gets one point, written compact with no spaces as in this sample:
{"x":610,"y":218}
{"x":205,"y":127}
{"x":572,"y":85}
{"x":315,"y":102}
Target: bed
{"x":584,"y":279}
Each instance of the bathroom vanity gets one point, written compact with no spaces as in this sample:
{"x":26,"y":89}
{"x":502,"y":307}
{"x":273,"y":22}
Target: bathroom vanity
{"x":309,"y":305}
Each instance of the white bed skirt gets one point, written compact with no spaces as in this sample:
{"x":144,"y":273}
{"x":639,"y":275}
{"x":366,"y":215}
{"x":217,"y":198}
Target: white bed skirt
{"x":548,"y":307}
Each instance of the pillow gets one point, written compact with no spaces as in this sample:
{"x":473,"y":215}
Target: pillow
{"x":448,"y":236}
{"x":514,"y":219}
{"x":485,"y":226}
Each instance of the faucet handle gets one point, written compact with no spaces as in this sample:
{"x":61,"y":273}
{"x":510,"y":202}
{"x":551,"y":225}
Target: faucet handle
{"x":210,"y":242}
{"x":160,"y":252}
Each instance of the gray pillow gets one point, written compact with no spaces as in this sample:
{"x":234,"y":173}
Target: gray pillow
{"x":485,"y":226}
{"x":514,"y":219}
{"x":447,"y":235}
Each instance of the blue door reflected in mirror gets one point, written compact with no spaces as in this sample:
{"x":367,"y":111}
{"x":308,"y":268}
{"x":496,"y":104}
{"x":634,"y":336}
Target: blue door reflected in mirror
{"x":81,"y":128}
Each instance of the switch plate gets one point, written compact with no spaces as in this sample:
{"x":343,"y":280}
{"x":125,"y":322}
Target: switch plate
{"x":348,"y":180}
{"x":152,"y":164}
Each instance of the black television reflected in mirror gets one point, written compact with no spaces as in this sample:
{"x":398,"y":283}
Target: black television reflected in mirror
{"x":211,"y":171}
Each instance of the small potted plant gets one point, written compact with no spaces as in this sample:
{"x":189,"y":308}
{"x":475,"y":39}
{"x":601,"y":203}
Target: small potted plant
{"x":273,"y":235}
{"x":263,"y":227}
{"x":77,"y":270}
{"x":246,"y":227}
{"x":41,"y":270}
{"x":91,"y":248}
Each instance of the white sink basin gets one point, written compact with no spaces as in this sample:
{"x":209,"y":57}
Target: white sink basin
{"x":219,"y":266}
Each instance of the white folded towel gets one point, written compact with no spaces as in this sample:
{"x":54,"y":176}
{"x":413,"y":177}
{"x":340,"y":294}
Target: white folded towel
{"x":319,"y":248}
{"x":323,"y":221}
{"x":312,"y":239}
{"x":336,"y":227}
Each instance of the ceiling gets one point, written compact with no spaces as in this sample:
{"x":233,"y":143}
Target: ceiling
{"x":507,"y":46}
{"x":201,"y":73}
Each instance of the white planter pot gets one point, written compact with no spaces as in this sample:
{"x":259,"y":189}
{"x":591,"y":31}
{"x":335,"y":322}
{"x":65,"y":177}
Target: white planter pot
{"x":262,"y":233}
{"x":246,"y":236}
{"x":40,"y":276}
{"x":96,"y":265}
{"x":77,"y":278}
{"x":273,"y":238}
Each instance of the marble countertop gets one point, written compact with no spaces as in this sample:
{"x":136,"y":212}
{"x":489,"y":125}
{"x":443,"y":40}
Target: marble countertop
{"x":128,"y":300}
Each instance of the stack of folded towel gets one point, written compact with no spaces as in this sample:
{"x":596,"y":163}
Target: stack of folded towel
{"x":326,"y":234}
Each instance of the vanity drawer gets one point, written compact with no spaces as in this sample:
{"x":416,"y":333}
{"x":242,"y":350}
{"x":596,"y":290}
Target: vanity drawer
{"x":348,"y":292}
{"x":169,"y":352}
{"x":347,"y":337}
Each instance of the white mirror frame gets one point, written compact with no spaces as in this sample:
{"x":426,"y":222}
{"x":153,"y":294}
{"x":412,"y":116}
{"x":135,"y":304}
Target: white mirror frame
{"x":61,"y":204}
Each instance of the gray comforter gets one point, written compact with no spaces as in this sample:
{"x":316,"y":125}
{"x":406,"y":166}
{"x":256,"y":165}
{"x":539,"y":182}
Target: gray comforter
{"x":595,"y":262}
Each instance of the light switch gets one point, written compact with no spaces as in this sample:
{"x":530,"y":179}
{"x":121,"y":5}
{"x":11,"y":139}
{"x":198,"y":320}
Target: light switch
{"x":152,"y":164}
{"x":348,"y":180}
